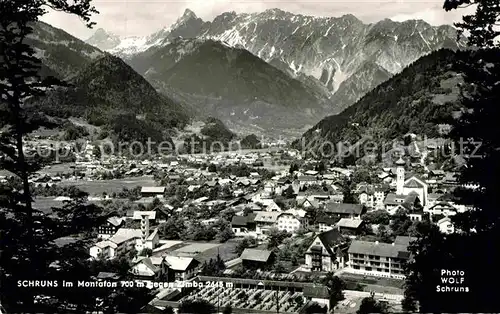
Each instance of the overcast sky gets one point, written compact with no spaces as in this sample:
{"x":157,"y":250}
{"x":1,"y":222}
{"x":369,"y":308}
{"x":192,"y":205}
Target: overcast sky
{"x":140,"y":18}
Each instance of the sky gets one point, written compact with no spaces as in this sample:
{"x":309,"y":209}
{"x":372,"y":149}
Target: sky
{"x":141,"y":18}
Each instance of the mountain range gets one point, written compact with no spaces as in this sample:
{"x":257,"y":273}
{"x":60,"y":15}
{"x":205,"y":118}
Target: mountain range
{"x":232,"y":84}
{"x":342,"y":54}
{"x":269,"y":73}
{"x":337,"y":60}
{"x":420,"y":100}
{"x":103,"y":88}
{"x":62,"y":55}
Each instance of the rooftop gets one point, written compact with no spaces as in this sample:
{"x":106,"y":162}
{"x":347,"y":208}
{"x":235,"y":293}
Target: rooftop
{"x":344,"y":208}
{"x":153,"y":189}
{"x":125,"y":234}
{"x":179,"y":263}
{"x":349,"y":223}
{"x":379,"y":249}
{"x":138,"y":214}
{"x":266,"y":216}
{"x":413,"y":183}
{"x":116,"y":221}
{"x":255,"y":255}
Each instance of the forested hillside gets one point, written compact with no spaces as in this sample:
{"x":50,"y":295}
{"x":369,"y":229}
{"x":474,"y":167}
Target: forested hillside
{"x":417,"y":100}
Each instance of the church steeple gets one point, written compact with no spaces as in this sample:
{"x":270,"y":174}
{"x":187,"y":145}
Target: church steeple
{"x":400,"y":176}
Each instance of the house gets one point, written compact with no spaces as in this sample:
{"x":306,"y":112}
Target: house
{"x":418,"y":186}
{"x":164,"y":212}
{"x":366,"y":194}
{"x":121,"y":242}
{"x":239,"y":225}
{"x":265,"y":221}
{"x":344,"y":210}
{"x":379,"y":259}
{"x":257,"y":259}
{"x":433,"y":198}
{"x":337,"y":197}
{"x":416,"y":215}
{"x":340,"y":172}
{"x":328,"y":252}
{"x":326,"y":223}
{"x":393,"y":202}
{"x":442,"y":208}
{"x":445,"y":225}
{"x":212,"y":183}
{"x":311,"y":173}
{"x":291,"y":220}
{"x":450,"y":179}
{"x":307,"y":202}
{"x":306,"y":180}
{"x":366,"y":197}
{"x":110,"y":227}
{"x":151,"y":268}
{"x":317,"y":194}
{"x":350,"y":226}
{"x":183,"y":268}
{"x":270,"y":205}
{"x":152,"y":240}
{"x":284,"y":181}
{"x":379,"y":196}
{"x":269,"y":190}
{"x":152,"y":191}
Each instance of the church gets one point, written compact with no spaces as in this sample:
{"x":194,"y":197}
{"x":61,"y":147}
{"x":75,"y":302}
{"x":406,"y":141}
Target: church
{"x":406,"y":186}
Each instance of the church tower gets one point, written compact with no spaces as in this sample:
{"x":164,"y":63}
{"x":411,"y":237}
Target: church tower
{"x":145,"y":226}
{"x":400,"y":176}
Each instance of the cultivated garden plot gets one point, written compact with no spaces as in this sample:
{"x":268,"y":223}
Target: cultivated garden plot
{"x":250,"y":299}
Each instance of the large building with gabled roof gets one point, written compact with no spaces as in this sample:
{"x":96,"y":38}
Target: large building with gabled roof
{"x":379,"y":259}
{"x":328,"y":252}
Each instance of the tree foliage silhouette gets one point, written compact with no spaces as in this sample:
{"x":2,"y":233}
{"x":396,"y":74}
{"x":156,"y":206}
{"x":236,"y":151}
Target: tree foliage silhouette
{"x":29,"y":250}
{"x":476,"y":138}
{"x":480,"y":25}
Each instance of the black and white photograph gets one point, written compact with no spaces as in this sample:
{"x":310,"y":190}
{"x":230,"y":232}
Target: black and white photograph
{"x":249,"y":157}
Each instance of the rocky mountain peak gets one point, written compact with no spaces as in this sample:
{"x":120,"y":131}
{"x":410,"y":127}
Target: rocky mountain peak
{"x":186,"y":17}
{"x":351,"y":18}
{"x":189,"y":14}
{"x":103,"y":40}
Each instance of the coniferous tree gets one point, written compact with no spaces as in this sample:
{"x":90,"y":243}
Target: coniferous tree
{"x":26,"y":234}
{"x":475,"y":135}
{"x":29,"y":248}
{"x":335,"y":287}
{"x":370,"y":305}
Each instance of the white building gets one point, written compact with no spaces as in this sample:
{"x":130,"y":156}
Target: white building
{"x":445,"y":225}
{"x":412,"y":184}
{"x":291,"y":220}
{"x":126,"y":239}
{"x":265,"y":221}
{"x":327,"y":252}
{"x":379,"y":259}
{"x":123,"y":241}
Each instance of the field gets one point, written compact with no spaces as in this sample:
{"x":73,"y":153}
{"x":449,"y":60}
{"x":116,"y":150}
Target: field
{"x":225,"y":250}
{"x":45,"y":204}
{"x":110,"y":186}
{"x":380,"y":285}
{"x":196,"y":248}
